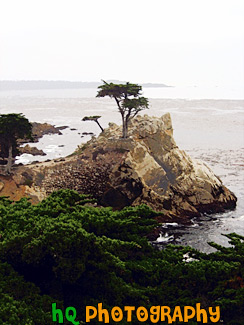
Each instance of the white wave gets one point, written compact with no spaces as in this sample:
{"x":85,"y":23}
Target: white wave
{"x":165,"y":238}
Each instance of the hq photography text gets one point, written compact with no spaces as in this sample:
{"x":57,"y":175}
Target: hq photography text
{"x":154,"y":314}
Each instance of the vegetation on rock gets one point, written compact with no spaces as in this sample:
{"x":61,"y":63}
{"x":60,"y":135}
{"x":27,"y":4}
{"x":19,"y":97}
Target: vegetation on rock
{"x":12,"y":127}
{"x":128,"y":99}
{"x":67,"y":251}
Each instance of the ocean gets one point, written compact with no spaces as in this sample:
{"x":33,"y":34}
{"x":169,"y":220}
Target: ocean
{"x":208,"y":124}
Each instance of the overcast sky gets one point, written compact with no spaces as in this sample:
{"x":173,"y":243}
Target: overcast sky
{"x":177,"y":42}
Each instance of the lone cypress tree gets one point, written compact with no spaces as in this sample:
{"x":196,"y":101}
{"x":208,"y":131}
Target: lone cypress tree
{"x":12,"y":127}
{"x":128,"y":98}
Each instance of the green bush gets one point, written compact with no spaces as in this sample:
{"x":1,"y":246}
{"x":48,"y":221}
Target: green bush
{"x":64,"y":250}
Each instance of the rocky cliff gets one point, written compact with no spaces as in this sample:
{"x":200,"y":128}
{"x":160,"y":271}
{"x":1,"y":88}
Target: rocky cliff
{"x":148,"y":167}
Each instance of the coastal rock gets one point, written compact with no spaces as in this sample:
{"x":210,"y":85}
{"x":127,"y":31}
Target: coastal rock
{"x":147,"y":167}
{"x":41,"y":129}
{"x":31,"y":150}
{"x":156,"y":172}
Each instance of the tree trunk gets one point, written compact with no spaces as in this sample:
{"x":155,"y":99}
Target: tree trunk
{"x":100,"y":126}
{"x":125,"y":128}
{"x":10,"y":160}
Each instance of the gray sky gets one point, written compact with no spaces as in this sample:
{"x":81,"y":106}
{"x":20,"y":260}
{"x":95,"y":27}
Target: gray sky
{"x":177,"y":42}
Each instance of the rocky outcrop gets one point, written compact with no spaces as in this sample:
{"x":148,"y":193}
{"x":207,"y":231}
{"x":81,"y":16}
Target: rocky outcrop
{"x":41,"y":129}
{"x":148,"y":167}
{"x":31,"y":150}
{"x":156,"y":172}
{"x":15,"y":189}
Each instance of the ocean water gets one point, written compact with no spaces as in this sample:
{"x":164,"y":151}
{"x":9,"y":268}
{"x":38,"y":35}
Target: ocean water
{"x":208,"y":124}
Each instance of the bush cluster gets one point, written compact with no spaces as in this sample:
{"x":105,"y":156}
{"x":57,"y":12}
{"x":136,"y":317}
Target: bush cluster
{"x":65,"y":250}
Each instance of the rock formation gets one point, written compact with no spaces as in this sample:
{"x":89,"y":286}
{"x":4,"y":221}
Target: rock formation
{"x":41,"y":129}
{"x":148,"y":167}
{"x":31,"y":150}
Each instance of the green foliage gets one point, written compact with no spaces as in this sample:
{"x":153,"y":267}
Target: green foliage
{"x":21,"y":301}
{"x":136,"y":104}
{"x":128,"y":99}
{"x":91,"y":118}
{"x":80,"y":255}
{"x":120,"y":91}
{"x":12,"y":127}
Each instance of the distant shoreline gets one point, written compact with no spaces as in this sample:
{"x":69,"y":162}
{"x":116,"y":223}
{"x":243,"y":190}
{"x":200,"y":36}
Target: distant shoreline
{"x":62,"y":84}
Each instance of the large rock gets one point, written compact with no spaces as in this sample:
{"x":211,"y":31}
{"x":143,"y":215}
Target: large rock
{"x":156,"y":172}
{"x":147,"y":167}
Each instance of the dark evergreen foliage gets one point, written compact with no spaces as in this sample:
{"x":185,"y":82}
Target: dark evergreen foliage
{"x":12,"y":127}
{"x":65,"y":250}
